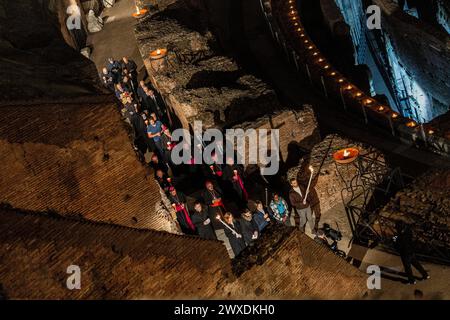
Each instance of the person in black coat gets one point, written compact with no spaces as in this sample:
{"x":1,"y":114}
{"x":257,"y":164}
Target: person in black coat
{"x":233,"y":174}
{"x":203,"y":222}
{"x":249,"y":228}
{"x":131,"y":68}
{"x":156,"y":164}
{"x":163,"y":180}
{"x":404,"y":244}
{"x":107,"y":79}
{"x":234,"y":234}
{"x":115,"y":69}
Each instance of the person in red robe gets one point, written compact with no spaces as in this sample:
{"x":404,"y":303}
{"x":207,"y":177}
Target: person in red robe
{"x":178,"y":201}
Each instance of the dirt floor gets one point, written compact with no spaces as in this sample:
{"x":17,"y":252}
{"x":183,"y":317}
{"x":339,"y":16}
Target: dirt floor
{"x":116,"y":39}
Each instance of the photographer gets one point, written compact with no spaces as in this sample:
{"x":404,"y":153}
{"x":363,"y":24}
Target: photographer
{"x":326,"y":232}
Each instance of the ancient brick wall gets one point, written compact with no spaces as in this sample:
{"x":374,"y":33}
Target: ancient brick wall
{"x":76,"y":159}
{"x":124,"y":263}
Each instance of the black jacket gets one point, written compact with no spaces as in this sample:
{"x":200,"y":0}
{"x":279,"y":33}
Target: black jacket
{"x":237,"y":244}
{"x":204,"y":231}
{"x":248,"y":229}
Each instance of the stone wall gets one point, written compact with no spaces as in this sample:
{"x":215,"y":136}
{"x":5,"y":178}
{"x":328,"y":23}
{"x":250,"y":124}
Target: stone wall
{"x":198,"y":82}
{"x":124,"y":263}
{"x":37,"y":63}
{"x":298,"y":132}
{"x":423,"y":50}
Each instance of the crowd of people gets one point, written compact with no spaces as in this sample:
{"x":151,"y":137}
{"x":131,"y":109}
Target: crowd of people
{"x":223,"y":202}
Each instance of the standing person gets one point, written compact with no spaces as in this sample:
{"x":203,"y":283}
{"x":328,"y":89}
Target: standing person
{"x":130,"y":108}
{"x":261,"y":216}
{"x":107,"y":79}
{"x":178,"y":201}
{"x":158,"y":105}
{"x":249,"y":228}
{"x":156,"y":164}
{"x":234,"y":174}
{"x":131,"y":67}
{"x":167,"y":144}
{"x":115,"y":70}
{"x":279,"y":209}
{"x":154,"y":132}
{"x":404,"y":244}
{"x":140,"y":131}
{"x":163,"y":180}
{"x":202,"y":222}
{"x":234,"y":233}
{"x":213,"y":198}
{"x":127,"y":85}
{"x":300,"y":204}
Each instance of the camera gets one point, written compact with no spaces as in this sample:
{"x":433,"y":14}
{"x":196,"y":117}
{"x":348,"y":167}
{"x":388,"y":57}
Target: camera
{"x":331,"y":233}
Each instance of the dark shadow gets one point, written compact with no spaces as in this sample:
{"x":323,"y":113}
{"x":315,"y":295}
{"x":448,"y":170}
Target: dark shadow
{"x":247,"y":108}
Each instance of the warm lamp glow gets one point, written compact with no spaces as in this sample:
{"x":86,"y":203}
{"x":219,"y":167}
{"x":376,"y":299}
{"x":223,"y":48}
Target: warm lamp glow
{"x":394,"y":115}
{"x":380,"y":108}
{"x":349,"y":87}
{"x":411,"y":124}
{"x":341,"y":80}
{"x":359,"y":94}
{"x":431,"y":131}
{"x":310,"y":47}
{"x":368,"y":101}
{"x":326,"y":67}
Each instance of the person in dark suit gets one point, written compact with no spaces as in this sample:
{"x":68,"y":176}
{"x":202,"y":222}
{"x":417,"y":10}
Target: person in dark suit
{"x":203,"y":222}
{"x":404,"y":244}
{"x":249,"y":227}
{"x":107,"y":79}
{"x":234,"y":233}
